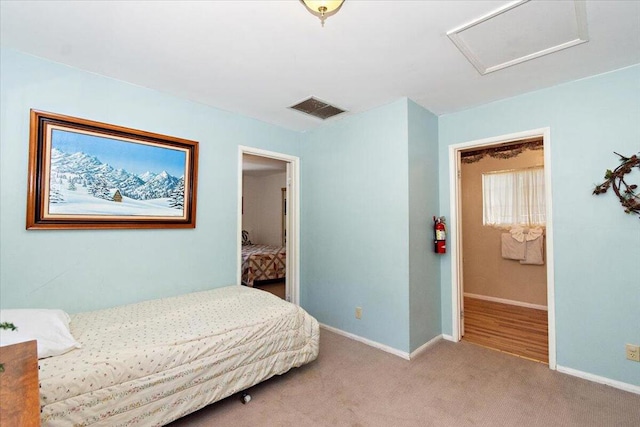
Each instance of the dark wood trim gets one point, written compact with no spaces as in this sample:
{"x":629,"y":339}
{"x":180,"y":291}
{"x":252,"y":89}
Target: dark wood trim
{"x":36,"y":179}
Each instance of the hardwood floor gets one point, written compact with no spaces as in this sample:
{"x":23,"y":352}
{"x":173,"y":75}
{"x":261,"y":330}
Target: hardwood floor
{"x":512,"y":329}
{"x":277,"y":288}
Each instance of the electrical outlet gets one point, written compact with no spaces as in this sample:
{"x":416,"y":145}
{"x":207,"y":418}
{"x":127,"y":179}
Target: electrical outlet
{"x":633,"y":352}
{"x":358,"y":312}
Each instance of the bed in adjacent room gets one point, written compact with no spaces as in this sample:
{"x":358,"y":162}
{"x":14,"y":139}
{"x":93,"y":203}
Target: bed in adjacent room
{"x":263,"y":262}
{"x":153,"y":362}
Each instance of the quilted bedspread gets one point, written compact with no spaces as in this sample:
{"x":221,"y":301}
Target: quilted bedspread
{"x":263,"y":262}
{"x":198,"y":347}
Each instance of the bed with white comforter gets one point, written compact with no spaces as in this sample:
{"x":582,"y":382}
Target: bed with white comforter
{"x":153,"y":362}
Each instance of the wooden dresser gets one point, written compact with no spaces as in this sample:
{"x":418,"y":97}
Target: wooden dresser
{"x":19,"y":388}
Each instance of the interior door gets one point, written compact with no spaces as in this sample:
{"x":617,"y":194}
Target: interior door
{"x":287,"y":225}
{"x":457,"y":256}
{"x":283,"y":203}
{"x":512,"y":291}
{"x":459,"y":245}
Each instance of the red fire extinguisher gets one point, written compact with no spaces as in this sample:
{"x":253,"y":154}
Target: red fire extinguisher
{"x":440,"y":231}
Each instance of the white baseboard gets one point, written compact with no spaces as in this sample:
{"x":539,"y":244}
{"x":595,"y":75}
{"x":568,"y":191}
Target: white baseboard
{"x":424,"y":346}
{"x":368,"y":342}
{"x":506,"y":301}
{"x":403,"y":354}
{"x":598,"y":379}
{"x":384,"y":347}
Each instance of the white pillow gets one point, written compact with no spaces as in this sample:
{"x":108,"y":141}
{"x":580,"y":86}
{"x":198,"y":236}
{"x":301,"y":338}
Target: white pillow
{"x":49,"y":327}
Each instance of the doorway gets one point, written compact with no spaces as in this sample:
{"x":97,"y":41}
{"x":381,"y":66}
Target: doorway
{"x":270,"y":261}
{"x":488,"y":311}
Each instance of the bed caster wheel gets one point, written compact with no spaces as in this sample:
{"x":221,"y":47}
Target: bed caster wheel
{"x":245,"y":398}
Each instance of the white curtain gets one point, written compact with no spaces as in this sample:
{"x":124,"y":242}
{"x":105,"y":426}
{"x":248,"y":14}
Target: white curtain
{"x":514,"y":198}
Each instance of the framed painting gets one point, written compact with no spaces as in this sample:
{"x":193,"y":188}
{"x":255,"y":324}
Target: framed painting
{"x":90,"y":175}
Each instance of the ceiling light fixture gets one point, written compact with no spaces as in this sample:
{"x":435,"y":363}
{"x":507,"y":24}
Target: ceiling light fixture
{"x":323,"y":8}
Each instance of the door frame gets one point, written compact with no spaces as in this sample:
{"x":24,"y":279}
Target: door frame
{"x":456,"y":236}
{"x":292,"y":271}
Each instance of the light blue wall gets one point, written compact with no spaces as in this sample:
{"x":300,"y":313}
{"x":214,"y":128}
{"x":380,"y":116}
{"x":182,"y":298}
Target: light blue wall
{"x":424,"y":265}
{"x":83,"y":270}
{"x":363,"y":200}
{"x":597,"y":246}
{"x":354,"y":224}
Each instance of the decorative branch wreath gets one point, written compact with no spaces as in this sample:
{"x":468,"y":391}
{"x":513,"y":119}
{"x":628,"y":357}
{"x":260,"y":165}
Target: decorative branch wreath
{"x":615,"y":179}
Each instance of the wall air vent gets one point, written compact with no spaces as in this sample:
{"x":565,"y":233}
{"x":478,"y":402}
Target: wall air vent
{"x":316,"y":108}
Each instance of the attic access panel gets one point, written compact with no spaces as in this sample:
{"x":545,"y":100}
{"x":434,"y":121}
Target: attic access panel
{"x":521,"y":31}
{"x":317,"y":108}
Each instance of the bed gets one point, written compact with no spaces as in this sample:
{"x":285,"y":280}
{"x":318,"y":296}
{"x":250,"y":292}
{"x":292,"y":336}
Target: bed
{"x":263,"y":262}
{"x":153,"y":362}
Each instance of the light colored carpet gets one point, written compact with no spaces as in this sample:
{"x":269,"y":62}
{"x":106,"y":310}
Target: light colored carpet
{"x":352,"y":384}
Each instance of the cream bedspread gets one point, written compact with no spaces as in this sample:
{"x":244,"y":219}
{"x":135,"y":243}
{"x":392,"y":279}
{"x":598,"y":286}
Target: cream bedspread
{"x":198,"y":348}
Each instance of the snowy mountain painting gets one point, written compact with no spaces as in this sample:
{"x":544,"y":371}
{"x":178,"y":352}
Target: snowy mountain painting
{"x":100,"y":176}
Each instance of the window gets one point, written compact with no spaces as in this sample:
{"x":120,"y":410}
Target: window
{"x":514,"y":198}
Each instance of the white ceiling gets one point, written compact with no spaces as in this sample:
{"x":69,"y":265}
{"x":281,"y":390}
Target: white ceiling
{"x":256,"y":58}
{"x":521,"y":31}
